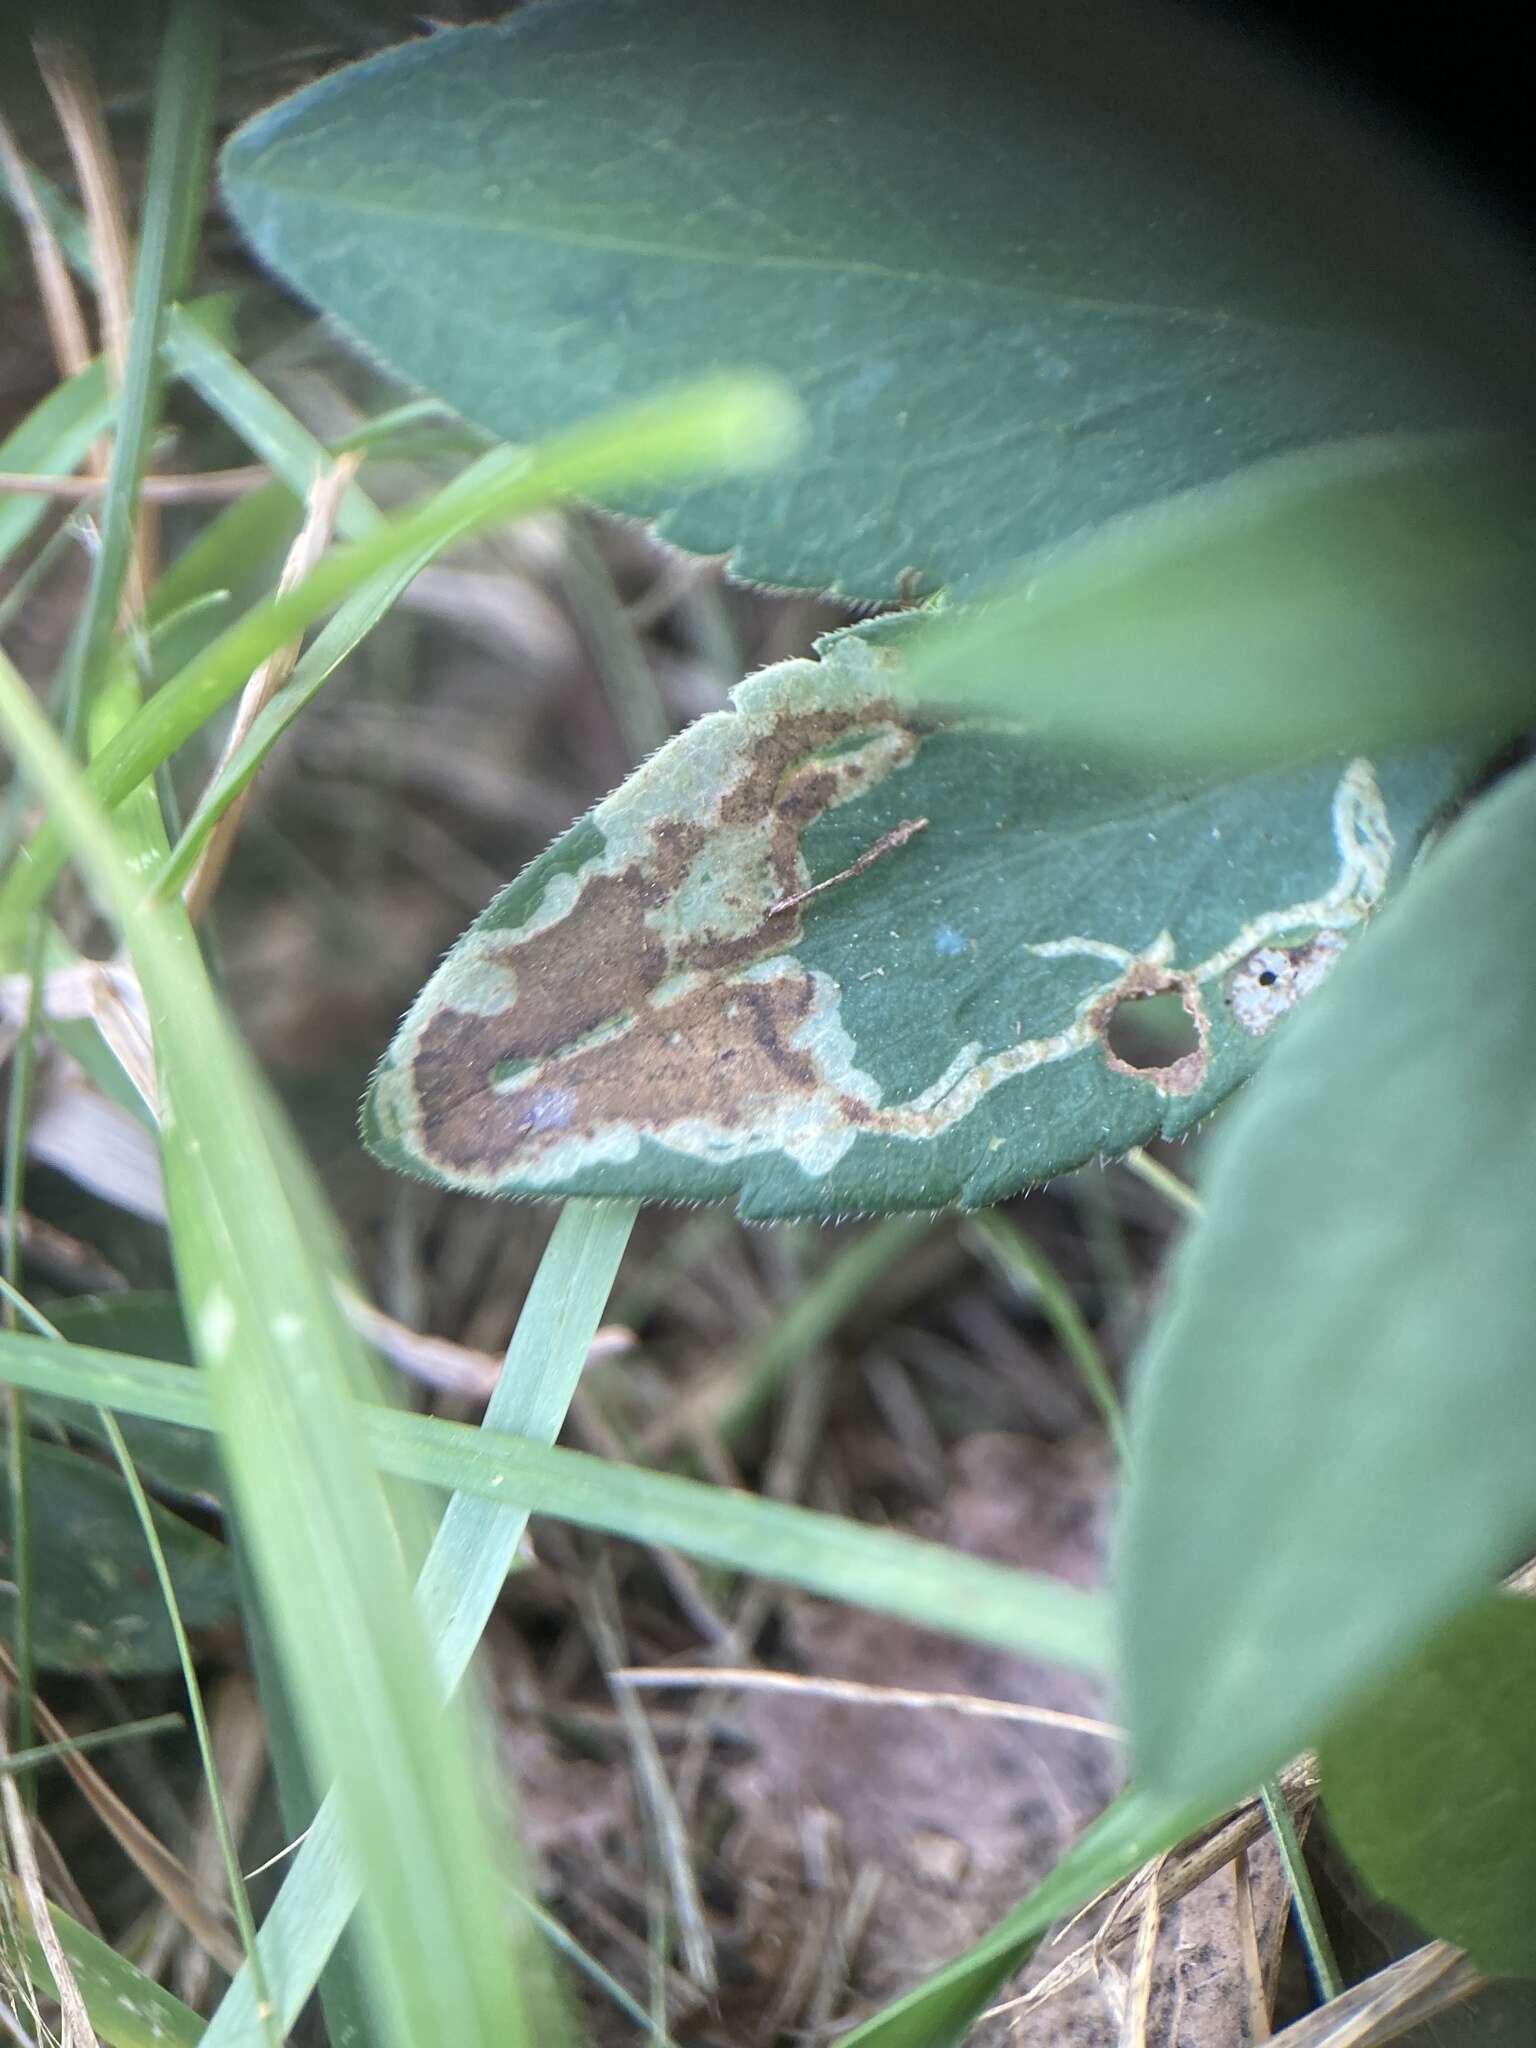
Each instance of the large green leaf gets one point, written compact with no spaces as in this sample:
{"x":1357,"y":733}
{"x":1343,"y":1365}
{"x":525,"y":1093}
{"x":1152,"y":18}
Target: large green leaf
{"x":1333,"y":1427}
{"x":1431,"y":1784}
{"x":1027,"y":268}
{"x":96,"y":1601}
{"x":647,"y":1011}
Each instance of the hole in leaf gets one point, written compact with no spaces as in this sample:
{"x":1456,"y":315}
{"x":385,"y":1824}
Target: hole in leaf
{"x":1151,"y":1031}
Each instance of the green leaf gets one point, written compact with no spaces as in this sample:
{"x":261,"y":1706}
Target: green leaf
{"x":648,"y":1012}
{"x":1373,"y":592}
{"x":167,"y":1455}
{"x":1024,"y":268}
{"x":1431,"y":1784}
{"x":96,"y":1603}
{"x":1332,"y":1427}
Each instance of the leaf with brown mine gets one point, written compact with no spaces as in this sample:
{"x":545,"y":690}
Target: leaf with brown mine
{"x":825,"y":954}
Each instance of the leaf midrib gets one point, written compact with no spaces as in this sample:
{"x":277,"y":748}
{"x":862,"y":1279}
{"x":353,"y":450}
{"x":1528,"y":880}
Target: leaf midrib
{"x":618,"y":245}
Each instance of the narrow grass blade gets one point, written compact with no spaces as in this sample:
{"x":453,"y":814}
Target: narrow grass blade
{"x":282,"y":1370}
{"x":925,"y":1583}
{"x":180,"y":134}
{"x":191,"y":350}
{"x":1026,"y":1267}
{"x":52,"y":441}
{"x":1359,"y":595}
{"x":465,"y":1571}
{"x":82,"y":1745}
{"x":352,"y":623}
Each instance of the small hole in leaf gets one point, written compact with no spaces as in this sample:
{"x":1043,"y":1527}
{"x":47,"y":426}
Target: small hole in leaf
{"x":1151,"y":1031}
{"x":1268,"y":978}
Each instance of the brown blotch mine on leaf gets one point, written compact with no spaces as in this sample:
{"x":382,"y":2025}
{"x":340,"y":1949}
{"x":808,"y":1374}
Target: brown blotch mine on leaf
{"x":720,"y":1052}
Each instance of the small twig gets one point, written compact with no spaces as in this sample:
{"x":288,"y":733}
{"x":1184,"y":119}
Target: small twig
{"x":853,"y":1690}
{"x":886,"y":843}
{"x":214,"y":484}
{"x":313,"y":539}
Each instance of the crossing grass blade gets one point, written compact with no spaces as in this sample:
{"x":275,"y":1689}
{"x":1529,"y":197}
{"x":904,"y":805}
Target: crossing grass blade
{"x":922,"y":1582}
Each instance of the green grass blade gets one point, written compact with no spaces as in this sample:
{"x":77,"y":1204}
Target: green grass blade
{"x":282,"y":1369}
{"x":355,"y":619}
{"x":52,"y":440}
{"x":925,"y":1583}
{"x":1361,"y":595}
{"x":127,"y":2009}
{"x":724,"y":421}
{"x":180,"y":133}
{"x":81,"y":1745}
{"x":1025,"y":1266}
{"x":815,"y":1312}
{"x":469,"y":1560}
{"x":193,"y":352}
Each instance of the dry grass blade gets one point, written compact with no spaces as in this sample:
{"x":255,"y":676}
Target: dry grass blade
{"x":1138,"y":1998}
{"x":78,"y":2031}
{"x":61,"y":307}
{"x":1385,"y":2006}
{"x":687,"y":1676}
{"x":78,"y":107}
{"x":1248,"y":1947}
{"x":314,"y":537}
{"x":162,"y":1871}
{"x":203,"y":486}
{"x":666,"y":1820}
{"x":105,"y":993}
{"x":1174,"y":1875}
